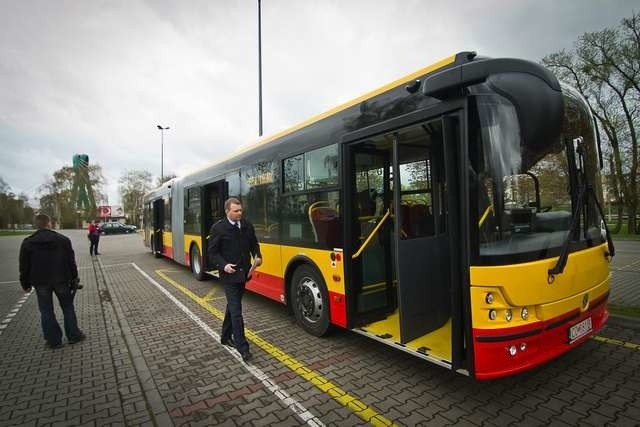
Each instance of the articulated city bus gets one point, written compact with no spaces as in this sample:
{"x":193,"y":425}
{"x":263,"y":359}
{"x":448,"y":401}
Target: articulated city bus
{"x":453,"y":214}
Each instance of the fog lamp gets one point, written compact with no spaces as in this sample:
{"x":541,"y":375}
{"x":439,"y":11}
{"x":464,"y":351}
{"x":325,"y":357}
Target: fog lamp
{"x":512,"y":350}
{"x":523,"y":346}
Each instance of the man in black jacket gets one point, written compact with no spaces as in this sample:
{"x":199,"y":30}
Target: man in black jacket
{"x":47,"y":262}
{"x":232,"y":242}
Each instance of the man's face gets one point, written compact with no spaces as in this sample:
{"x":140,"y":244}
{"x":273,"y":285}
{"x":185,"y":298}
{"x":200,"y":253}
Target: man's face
{"x":234,"y":213}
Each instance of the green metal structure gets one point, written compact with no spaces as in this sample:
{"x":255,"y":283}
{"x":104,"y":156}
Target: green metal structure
{"x":82,"y":193}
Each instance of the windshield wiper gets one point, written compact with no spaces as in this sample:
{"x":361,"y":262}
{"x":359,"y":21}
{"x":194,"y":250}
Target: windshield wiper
{"x":586,"y":190}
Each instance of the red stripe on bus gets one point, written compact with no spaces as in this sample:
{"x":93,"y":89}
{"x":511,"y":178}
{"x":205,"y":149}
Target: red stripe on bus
{"x":167,"y":251}
{"x":338,"y":309}
{"x":268,"y":285}
{"x":546,"y":341}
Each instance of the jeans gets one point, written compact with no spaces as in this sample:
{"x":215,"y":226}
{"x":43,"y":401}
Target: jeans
{"x":50,"y":326}
{"x":233,"y":323}
{"x":93,"y":246}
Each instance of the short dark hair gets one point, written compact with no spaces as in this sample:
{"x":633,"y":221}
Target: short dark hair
{"x":42,"y":221}
{"x":231,"y":201}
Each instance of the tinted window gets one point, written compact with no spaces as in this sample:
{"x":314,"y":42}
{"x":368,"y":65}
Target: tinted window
{"x":233,"y":181}
{"x":321,"y":167}
{"x":293,"y":174}
{"x":311,"y":170}
{"x":259,"y":198}
{"x":192,"y":210}
{"x":167,"y":214}
{"x":312,"y":219}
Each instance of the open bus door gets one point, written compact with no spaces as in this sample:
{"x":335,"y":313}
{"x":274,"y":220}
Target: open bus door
{"x":213,"y":198}
{"x":372,"y":268}
{"x":423,"y":241}
{"x":403,"y":256}
{"x":158,"y":226}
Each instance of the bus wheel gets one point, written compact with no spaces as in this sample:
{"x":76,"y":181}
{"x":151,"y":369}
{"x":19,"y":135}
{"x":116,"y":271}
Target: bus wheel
{"x":196,"y":263}
{"x":310,"y":300}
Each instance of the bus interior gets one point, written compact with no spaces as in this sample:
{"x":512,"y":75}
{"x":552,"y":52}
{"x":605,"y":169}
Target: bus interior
{"x":401,"y":287}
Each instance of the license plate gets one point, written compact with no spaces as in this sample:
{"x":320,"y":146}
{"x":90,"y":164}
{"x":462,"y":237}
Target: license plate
{"x":579,"y":330}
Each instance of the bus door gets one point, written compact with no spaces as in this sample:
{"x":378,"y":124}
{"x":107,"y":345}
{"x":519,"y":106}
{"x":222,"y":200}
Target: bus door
{"x":213,"y":197}
{"x":158,"y":226}
{"x":421,"y":220}
{"x":372,"y":293}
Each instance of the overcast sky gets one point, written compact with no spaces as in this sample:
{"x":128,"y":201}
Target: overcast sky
{"x":96,"y":77}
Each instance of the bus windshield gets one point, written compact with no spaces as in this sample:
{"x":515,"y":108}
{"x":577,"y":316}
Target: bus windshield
{"x":527,"y":190}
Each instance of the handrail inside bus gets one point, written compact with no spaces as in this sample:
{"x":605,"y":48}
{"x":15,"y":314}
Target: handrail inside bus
{"x":485,"y":215}
{"x":373,"y":232}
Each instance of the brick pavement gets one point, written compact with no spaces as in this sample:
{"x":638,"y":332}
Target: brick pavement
{"x":147,"y":363}
{"x":625,"y":273}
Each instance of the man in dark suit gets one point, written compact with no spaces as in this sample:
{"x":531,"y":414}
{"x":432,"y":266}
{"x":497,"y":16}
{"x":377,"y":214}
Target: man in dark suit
{"x":48,"y":263}
{"x":232,"y":242}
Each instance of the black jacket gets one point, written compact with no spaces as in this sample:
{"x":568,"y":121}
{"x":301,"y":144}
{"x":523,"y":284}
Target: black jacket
{"x":46,"y":259}
{"x":230,"y":245}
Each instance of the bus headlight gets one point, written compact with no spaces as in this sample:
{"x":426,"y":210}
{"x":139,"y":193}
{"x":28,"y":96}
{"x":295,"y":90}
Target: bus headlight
{"x":512,"y":350}
{"x":508,"y":315}
{"x":524,"y":313}
{"x":489,"y":298}
{"x":492,"y":314}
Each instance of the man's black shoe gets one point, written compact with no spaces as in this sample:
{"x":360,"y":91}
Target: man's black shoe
{"x":79,"y":338}
{"x":247,"y":356}
{"x":228,"y":342}
{"x":54,"y":346}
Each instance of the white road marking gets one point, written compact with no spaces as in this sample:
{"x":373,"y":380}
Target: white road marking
{"x":287,"y":400}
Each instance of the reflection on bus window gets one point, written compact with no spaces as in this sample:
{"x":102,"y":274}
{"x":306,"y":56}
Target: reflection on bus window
{"x":259,"y":198}
{"x":524,"y":204}
{"x":311,"y":170}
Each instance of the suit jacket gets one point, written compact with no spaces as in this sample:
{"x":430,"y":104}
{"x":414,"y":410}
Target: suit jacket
{"x":230,"y":245}
{"x":46,"y":259}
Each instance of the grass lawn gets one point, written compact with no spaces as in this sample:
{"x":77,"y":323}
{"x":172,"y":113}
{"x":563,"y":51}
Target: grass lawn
{"x":15,"y":232}
{"x":624,"y":311}
{"x":623,"y":234}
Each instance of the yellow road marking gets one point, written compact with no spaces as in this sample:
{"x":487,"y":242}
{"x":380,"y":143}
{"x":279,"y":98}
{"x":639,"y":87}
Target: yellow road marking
{"x":360,"y":408}
{"x":209,"y":295}
{"x":620,"y":343}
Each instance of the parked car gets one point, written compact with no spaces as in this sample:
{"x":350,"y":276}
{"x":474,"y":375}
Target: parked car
{"x":117,"y":228}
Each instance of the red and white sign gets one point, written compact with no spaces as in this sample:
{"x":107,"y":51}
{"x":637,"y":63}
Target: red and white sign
{"x":104,"y":211}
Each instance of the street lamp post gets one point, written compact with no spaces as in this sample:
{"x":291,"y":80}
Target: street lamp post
{"x":162,"y":152}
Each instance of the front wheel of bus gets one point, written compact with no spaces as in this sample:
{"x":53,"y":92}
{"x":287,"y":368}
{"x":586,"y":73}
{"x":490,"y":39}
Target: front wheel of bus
{"x":310,"y":300}
{"x":196,"y":264}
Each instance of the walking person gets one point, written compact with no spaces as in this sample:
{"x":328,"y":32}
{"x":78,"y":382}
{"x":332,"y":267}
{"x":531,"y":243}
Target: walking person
{"x":232,"y":243}
{"x":47,"y":262}
{"x":94,"y":237}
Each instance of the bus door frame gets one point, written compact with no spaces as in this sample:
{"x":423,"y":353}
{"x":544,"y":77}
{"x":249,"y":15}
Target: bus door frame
{"x":158,"y":225}
{"x":221,"y":189}
{"x":354,"y":285}
{"x":452,"y":113}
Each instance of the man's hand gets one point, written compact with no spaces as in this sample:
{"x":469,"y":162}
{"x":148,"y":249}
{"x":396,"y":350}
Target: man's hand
{"x":28,"y":290}
{"x":230,"y":268}
{"x":258,"y":261}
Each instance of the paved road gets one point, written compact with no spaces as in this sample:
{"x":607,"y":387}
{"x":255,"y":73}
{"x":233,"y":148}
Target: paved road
{"x":152,"y":358}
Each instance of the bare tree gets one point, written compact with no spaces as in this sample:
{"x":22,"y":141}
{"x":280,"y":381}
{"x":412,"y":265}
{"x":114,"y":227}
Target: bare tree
{"x":133,"y":186}
{"x":55,"y":198}
{"x":605,"y":67}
